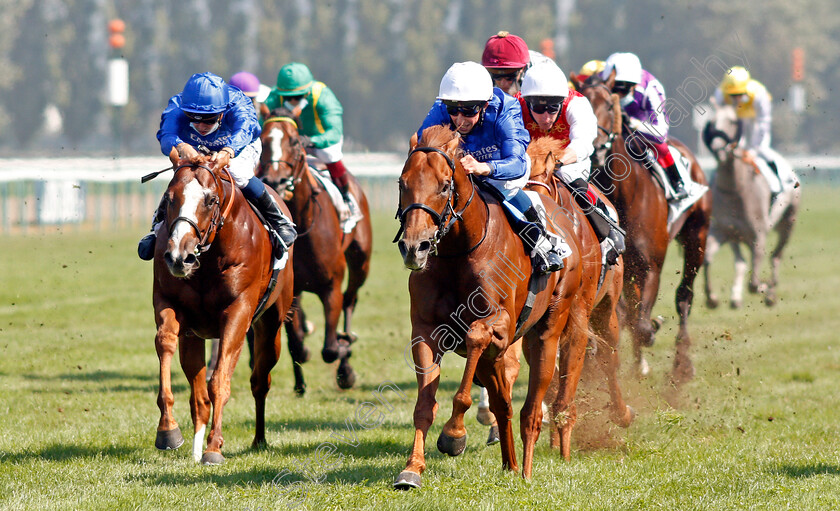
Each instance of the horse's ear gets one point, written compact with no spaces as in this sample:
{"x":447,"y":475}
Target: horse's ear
{"x":452,"y":146}
{"x":575,"y":83}
{"x":550,"y":162}
{"x":610,"y":82}
{"x":413,"y":142}
{"x":264,"y":111}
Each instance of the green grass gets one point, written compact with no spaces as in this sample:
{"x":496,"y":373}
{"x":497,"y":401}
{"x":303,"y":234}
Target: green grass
{"x":756,"y":429}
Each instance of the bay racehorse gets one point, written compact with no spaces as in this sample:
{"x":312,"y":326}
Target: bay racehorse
{"x":604,"y":318}
{"x":213,"y":278}
{"x":468,"y":288}
{"x":643,"y":212}
{"x":323,"y":251}
{"x":744,"y":212}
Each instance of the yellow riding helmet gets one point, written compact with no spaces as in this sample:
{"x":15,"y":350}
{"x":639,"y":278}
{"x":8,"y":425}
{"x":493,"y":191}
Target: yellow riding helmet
{"x":735,"y":81}
{"x":591,"y":67}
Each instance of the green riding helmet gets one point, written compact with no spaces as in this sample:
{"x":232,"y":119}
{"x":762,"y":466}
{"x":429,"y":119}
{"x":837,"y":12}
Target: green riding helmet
{"x":294,"y":79}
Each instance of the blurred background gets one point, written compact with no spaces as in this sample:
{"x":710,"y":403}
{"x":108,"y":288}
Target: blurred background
{"x":384,"y":59}
{"x":89,"y":78}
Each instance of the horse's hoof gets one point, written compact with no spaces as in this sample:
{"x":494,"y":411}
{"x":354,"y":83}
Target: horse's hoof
{"x":485,"y":416}
{"x":451,"y":446}
{"x":735,"y":304}
{"x":259,"y":445}
{"x":300,"y":390}
{"x":712,"y":303}
{"x":754,"y":288}
{"x":212,"y":458}
{"x":770,"y":300}
{"x":169,"y":440}
{"x":345,"y":378}
{"x":407,"y":481}
{"x":629,"y":415}
{"x":342,"y":351}
{"x":493,"y":437}
{"x":350,"y":337}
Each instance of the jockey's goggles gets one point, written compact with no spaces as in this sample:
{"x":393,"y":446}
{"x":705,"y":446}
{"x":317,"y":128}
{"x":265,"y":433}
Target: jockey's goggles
{"x":622,"y":88}
{"x":203,"y":118}
{"x":465,"y":109}
{"x":509,"y":75}
{"x":543,"y":108}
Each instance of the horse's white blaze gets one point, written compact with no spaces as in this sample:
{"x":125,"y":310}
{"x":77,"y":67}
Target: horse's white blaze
{"x":276,"y":136}
{"x":198,"y":443}
{"x":193,"y":195}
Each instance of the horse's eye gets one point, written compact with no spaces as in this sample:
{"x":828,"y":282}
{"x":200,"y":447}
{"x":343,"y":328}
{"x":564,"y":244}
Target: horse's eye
{"x":209,"y":200}
{"x":445,"y":189}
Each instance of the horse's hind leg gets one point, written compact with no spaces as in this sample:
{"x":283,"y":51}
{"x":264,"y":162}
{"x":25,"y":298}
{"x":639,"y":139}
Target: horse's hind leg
{"x":569,"y":366}
{"x":605,"y":325}
{"x":358,"y":267}
{"x":736,"y":298}
{"x":693,"y":238}
{"x":166,"y":342}
{"x":784,"y":229}
{"x":297,"y":348}
{"x":267,"y":343}
{"x":191,"y":350}
{"x":333,"y":348}
{"x":712,"y":247}
{"x":758,"y":246}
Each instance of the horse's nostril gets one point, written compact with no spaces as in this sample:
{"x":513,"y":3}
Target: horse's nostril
{"x":424,"y":246}
{"x":167,"y":257}
{"x":402,"y":247}
{"x":190,"y":259}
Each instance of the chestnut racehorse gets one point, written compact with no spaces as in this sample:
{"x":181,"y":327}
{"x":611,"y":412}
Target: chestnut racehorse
{"x":323,"y":251}
{"x":643,"y":211}
{"x":604,"y":318}
{"x":468,"y":287}
{"x":212,"y":268}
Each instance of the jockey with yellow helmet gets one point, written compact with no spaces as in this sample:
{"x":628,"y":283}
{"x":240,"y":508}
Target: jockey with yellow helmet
{"x":494,"y":140}
{"x":210,"y":113}
{"x":550,"y":109}
{"x":590,"y":68}
{"x":752,"y":105}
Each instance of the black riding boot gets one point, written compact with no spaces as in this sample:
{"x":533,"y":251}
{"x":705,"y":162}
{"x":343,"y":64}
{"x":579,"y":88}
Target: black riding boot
{"x":284,"y":233}
{"x":612,"y":241}
{"x":146,"y":247}
{"x":537,"y":242}
{"x":676,"y":182}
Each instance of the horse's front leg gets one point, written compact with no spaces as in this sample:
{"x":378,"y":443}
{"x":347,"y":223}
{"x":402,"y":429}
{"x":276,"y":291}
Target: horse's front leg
{"x":498,"y":376}
{"x":427,"y":367}
{"x":166,"y":341}
{"x":191,"y":350}
{"x":234,"y":324}
{"x":453,"y":438}
{"x":333,"y":348}
{"x":712,"y":248}
{"x":736,"y":297}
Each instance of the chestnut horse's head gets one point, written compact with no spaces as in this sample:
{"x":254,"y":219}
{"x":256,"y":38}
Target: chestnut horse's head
{"x":607,"y":110}
{"x":194,"y":203}
{"x":427,"y":194}
{"x":283,"y":158}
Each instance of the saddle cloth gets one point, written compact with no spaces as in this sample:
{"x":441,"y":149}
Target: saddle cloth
{"x":349,"y":216}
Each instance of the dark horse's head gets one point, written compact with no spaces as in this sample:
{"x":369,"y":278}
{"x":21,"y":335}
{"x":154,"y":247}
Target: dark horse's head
{"x":607,"y":111}
{"x":193,"y":203}
{"x":283,"y":157}
{"x":722,"y":133}
{"x":427,"y":194}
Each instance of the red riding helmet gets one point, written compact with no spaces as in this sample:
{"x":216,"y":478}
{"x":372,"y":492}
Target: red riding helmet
{"x":505,"y":50}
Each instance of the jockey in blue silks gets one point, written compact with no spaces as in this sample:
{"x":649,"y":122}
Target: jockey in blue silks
{"x":209,"y":113}
{"x":495,"y":140}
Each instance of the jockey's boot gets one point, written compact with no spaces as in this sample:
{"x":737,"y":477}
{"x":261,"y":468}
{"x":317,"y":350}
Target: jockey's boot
{"x":536,"y":240}
{"x":673,"y":174}
{"x":611,"y":240}
{"x":146,"y":247}
{"x":283,"y":232}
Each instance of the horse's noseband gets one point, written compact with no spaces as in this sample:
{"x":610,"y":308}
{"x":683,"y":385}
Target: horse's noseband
{"x":217,"y":220}
{"x":446,"y":218}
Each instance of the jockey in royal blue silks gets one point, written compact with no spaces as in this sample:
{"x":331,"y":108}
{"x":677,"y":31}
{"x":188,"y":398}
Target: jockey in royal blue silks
{"x":495,"y":140}
{"x":209,"y":113}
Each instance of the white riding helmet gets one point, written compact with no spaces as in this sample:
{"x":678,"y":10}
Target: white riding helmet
{"x":545,"y":79}
{"x":627,"y":67}
{"x":466,"y":81}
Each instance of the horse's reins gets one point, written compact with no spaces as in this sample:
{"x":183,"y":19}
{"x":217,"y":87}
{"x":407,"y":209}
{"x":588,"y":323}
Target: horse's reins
{"x":611,"y":135}
{"x":298,"y":169}
{"x":447,"y":218}
{"x":220,"y":213}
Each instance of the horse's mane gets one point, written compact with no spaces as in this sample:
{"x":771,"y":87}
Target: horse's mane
{"x":439,"y":137}
{"x":539,"y":149}
{"x":282,"y":111}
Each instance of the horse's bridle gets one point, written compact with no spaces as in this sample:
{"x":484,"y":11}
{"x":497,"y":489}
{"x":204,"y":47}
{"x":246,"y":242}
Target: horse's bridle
{"x":220,"y":213}
{"x":287,"y":183}
{"x":446,"y":218}
{"x":598,"y":162}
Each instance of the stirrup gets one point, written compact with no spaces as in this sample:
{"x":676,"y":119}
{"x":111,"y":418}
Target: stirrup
{"x":680,"y":192}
